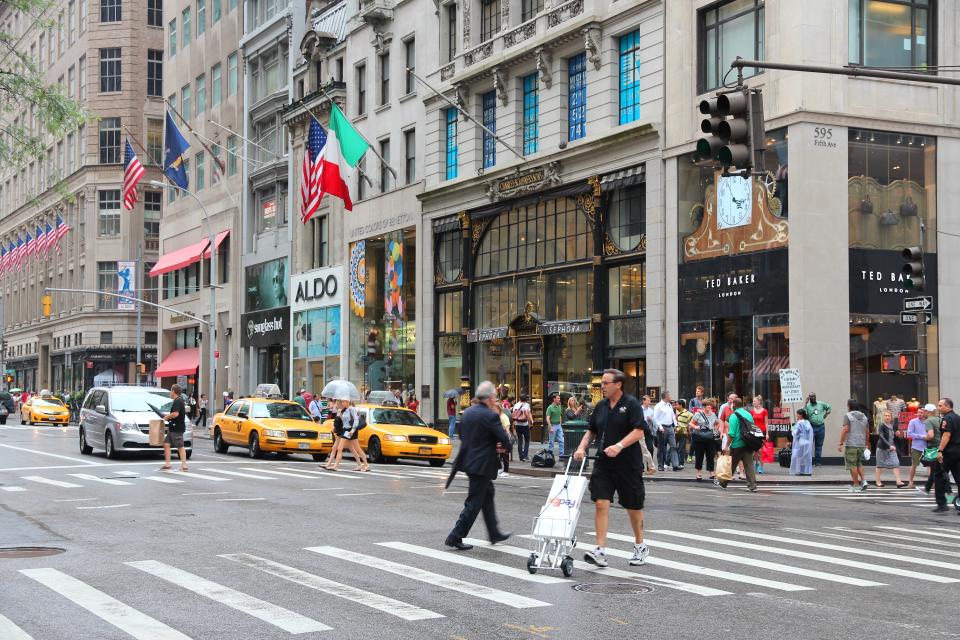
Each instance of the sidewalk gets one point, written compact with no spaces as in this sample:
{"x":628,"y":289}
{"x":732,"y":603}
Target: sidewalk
{"x":831,"y":473}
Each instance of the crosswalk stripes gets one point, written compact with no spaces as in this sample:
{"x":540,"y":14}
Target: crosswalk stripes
{"x":906,"y":573}
{"x":194,"y":474}
{"x":752,"y":562}
{"x":55,"y":483}
{"x":14,"y":488}
{"x":835,"y":547}
{"x":373,"y":600}
{"x":241,"y":474}
{"x":887,"y":540}
{"x":124,"y":617}
{"x":513,"y":600}
{"x":473,"y":563}
{"x":609,"y":571}
{"x":10,"y":631}
{"x":311,"y":472}
{"x":93,"y":478}
{"x":932,"y":532}
{"x":287,"y":474}
{"x":289,"y":621}
{"x":163,"y":479}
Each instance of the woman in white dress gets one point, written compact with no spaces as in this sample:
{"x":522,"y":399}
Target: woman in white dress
{"x":801,"y":460}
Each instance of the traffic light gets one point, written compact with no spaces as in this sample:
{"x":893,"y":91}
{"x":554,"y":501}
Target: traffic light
{"x":46,"y":303}
{"x":141,"y":368}
{"x":913,"y":268}
{"x":8,"y":378}
{"x":898,"y":362}
{"x":734,"y":130}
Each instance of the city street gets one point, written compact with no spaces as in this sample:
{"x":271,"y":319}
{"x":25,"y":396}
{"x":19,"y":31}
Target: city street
{"x":240,"y":548}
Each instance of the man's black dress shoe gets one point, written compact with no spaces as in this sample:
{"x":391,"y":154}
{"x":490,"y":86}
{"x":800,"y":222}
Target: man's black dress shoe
{"x":457,"y":544}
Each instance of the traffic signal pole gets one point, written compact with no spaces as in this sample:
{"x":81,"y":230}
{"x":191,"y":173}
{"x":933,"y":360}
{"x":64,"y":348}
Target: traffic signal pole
{"x":849,"y":70}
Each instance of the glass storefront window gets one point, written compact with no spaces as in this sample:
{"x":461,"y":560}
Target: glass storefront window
{"x":449,"y":369}
{"x":316,"y":347}
{"x":383,"y":311}
{"x":566,"y":295}
{"x":534,"y":236}
{"x":627,"y":216}
{"x":497,"y":362}
{"x":569,"y":366}
{"x":450,"y":312}
{"x":449,"y":254}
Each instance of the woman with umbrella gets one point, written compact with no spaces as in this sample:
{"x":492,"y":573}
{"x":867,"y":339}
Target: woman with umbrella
{"x":346,"y":424}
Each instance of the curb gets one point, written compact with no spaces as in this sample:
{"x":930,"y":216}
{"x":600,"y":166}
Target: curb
{"x":549,"y":473}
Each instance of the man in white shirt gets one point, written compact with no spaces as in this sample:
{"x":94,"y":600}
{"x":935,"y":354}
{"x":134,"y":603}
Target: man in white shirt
{"x":651,"y":428}
{"x":666,"y":421}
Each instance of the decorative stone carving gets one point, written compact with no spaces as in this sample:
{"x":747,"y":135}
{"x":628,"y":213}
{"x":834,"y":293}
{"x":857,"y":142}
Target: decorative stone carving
{"x":500,"y":85}
{"x":524,"y":32}
{"x":544,"y":60}
{"x":591,"y":36}
{"x":464,"y":218}
{"x":522,"y":182}
{"x":478,"y":53}
{"x":466,"y":24}
{"x":564,"y":12}
{"x":459,"y":96}
{"x":447,"y":71}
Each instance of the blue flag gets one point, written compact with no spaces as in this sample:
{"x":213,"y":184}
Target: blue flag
{"x":174,"y":148}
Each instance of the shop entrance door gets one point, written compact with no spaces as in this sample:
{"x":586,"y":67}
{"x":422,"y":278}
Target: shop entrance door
{"x":271,"y":366}
{"x":530,"y":380}
{"x":636,"y":374}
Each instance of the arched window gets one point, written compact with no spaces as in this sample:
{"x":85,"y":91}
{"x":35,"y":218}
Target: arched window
{"x":535,"y":235}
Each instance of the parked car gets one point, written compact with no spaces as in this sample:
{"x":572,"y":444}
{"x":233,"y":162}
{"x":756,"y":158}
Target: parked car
{"x":117,"y":420}
{"x":6,"y":400}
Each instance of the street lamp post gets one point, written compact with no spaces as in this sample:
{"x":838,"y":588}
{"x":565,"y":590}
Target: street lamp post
{"x":212,"y":326}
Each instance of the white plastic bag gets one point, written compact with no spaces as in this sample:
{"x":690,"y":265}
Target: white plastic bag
{"x":866,"y":455}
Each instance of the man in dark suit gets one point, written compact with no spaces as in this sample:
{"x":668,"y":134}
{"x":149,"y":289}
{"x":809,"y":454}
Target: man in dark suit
{"x":480,"y":431}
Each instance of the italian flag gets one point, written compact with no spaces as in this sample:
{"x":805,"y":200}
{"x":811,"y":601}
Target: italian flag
{"x":341,"y":154}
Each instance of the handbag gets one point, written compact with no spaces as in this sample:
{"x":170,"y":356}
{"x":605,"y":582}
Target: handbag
{"x":724,"y":469}
{"x":929,"y":456}
{"x":766,"y":453}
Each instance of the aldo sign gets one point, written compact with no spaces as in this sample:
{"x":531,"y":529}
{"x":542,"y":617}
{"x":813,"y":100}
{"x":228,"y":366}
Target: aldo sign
{"x":319,"y":288}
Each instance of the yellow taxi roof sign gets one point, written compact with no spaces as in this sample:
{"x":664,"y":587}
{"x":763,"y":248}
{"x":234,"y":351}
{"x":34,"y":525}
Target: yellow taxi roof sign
{"x":267,"y":391}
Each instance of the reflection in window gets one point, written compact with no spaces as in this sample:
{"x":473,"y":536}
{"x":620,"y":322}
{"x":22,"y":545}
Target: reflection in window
{"x":534,"y":235}
{"x":629,"y":77}
{"x":894,"y":33}
{"x":730,"y":29}
{"x":891,"y":189}
{"x":449,"y":254}
{"x":489,"y":19}
{"x":449,"y":310}
{"x":566,"y":295}
{"x":627,"y":216}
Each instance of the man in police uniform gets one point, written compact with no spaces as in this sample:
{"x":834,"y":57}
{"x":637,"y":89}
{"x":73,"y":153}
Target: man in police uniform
{"x":618,"y":425}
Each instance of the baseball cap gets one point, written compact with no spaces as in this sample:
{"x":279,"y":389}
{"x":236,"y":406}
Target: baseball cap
{"x":929,"y":407}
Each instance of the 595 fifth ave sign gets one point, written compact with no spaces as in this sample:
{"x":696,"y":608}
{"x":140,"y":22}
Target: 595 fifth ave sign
{"x":318,"y":288}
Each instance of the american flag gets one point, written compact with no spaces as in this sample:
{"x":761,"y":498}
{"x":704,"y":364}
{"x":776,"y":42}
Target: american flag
{"x":3,"y":259}
{"x":41,"y":240}
{"x":60,"y":231}
{"x":21,"y":252}
{"x":48,"y":244}
{"x":312,"y":167}
{"x":132,"y":172}
{"x":11,"y":256}
{"x":30,"y":246}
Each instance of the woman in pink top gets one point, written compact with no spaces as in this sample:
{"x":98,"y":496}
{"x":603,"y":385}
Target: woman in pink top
{"x":760,"y":419}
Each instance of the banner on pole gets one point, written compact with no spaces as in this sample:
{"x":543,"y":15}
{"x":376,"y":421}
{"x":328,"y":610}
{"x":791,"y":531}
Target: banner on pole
{"x":790,"y":391}
{"x":126,"y":278}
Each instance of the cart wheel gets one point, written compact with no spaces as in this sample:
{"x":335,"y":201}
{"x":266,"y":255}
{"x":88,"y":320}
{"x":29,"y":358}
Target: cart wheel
{"x":567,"y":566}
{"x":532,"y":563}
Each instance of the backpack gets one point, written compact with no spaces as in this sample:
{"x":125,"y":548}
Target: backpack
{"x":519,"y":413}
{"x":750,"y":433}
{"x":543,"y":458}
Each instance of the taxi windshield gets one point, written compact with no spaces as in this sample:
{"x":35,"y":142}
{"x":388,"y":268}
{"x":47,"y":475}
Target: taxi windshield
{"x":282,"y":410}
{"x":47,"y":402}
{"x":401,"y":417}
{"x":141,"y":401}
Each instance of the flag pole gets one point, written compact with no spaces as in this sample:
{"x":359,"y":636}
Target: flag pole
{"x":467,"y":115}
{"x":190,"y":129}
{"x":372,"y":147}
{"x":242,"y":157}
{"x":247,"y":140}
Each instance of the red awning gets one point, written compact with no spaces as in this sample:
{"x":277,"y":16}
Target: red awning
{"x":771,"y":365}
{"x":179,"y":259}
{"x":218,"y":241}
{"x":181,"y":362}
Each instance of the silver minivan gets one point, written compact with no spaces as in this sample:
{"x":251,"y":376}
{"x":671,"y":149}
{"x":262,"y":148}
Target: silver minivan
{"x":117,"y":419}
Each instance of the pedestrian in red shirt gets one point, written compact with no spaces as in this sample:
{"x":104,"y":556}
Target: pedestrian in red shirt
{"x":760,"y":420}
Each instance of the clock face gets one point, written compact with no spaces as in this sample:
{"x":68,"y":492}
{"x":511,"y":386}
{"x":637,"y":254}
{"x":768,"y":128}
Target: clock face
{"x":734,"y":201}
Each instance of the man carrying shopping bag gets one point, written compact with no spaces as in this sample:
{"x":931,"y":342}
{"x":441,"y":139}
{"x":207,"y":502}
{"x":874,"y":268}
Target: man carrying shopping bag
{"x":736,"y":448}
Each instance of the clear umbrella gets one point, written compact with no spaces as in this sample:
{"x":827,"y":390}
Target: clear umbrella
{"x":341,"y":390}
{"x":450,"y":394}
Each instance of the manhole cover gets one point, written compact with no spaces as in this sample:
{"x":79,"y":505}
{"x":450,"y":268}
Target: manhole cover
{"x":614,"y":588}
{"x":28,"y":552}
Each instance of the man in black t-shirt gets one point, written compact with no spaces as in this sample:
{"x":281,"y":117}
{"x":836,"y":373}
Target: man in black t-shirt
{"x":949,"y":455}
{"x":176,"y":426}
{"x":618,"y":425}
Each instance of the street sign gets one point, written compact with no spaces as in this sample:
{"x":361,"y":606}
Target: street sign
{"x":914,"y":317}
{"x":921,"y":303}
{"x":790,"y":390}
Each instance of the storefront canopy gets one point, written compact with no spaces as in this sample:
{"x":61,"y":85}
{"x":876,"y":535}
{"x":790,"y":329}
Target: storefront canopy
{"x":179,"y":259}
{"x":217,"y":242}
{"x":181,"y":362}
{"x":624,"y":178}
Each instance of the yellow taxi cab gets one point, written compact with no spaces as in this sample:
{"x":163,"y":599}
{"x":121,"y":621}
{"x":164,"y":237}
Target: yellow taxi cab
{"x":393,"y":432}
{"x":44,"y":409}
{"x":268,"y":423}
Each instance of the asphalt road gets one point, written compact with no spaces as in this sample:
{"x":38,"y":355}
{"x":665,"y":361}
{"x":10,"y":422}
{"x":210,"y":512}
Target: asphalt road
{"x":264,"y":549}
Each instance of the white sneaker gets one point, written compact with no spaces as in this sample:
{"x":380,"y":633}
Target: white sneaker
{"x":922,"y":491}
{"x":640,"y":553}
{"x":596,"y":557}
{"x":504,"y":474}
